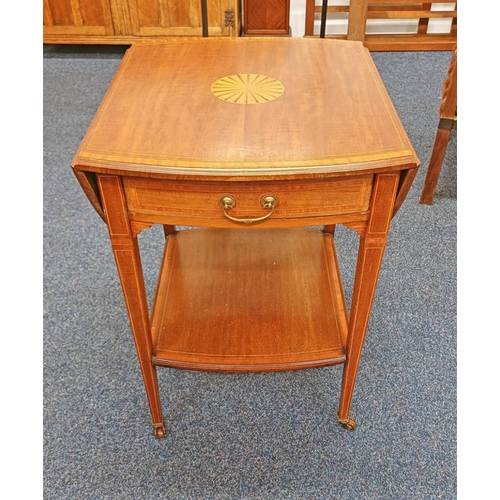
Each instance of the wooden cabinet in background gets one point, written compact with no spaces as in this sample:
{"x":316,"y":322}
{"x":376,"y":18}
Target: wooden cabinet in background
{"x":126,"y":21}
{"x":266,"y":17}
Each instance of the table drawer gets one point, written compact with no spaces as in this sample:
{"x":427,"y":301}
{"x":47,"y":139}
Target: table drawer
{"x":199,"y":203}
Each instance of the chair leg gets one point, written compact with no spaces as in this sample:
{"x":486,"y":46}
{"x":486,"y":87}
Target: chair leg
{"x":435,"y":164}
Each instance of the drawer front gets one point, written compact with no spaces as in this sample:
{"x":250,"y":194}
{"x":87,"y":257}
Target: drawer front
{"x":199,"y":203}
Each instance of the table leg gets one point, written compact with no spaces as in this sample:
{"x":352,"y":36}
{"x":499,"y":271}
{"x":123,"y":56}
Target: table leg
{"x":126,"y":251}
{"x":370,"y":254}
{"x":168,"y":230}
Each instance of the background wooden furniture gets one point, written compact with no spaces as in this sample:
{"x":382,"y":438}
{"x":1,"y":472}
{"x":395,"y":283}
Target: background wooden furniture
{"x":266,"y":17}
{"x":447,"y":123}
{"x":358,"y":12}
{"x":126,"y":21}
{"x":256,"y":289}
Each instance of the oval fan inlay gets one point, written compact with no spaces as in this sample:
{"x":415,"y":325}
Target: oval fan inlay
{"x":246,"y":88}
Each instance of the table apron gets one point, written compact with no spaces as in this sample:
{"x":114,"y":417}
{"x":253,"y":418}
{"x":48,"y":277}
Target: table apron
{"x":299,"y":203}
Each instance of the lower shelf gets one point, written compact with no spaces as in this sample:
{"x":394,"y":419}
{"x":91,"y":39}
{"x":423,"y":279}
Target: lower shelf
{"x":249,"y":300}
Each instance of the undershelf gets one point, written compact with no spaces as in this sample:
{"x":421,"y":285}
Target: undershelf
{"x":249,"y":300}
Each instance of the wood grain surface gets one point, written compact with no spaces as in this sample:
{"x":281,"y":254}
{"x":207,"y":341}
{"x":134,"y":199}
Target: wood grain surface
{"x":159,"y":112}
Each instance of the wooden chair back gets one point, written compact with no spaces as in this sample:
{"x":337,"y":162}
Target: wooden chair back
{"x":359,"y":11}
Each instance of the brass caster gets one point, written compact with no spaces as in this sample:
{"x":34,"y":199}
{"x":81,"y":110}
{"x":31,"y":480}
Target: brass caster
{"x":159,"y":430}
{"x":348,"y":423}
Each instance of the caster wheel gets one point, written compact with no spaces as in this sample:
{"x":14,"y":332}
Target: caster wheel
{"x":159,"y":431}
{"x":348,"y":424}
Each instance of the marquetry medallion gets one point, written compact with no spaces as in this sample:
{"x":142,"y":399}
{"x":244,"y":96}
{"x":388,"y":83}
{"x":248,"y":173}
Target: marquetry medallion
{"x":247,"y":88}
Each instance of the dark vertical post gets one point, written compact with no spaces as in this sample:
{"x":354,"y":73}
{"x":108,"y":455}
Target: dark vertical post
{"x":204,"y":18}
{"x":324,"y":11}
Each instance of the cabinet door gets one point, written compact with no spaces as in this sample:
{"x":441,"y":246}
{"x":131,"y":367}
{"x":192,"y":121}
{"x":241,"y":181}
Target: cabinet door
{"x":266,"y":17}
{"x":63,"y":18}
{"x":183,"y":17}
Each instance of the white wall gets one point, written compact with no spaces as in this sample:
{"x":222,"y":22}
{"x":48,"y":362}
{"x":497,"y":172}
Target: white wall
{"x":333,"y":26}
{"x":297,"y":17}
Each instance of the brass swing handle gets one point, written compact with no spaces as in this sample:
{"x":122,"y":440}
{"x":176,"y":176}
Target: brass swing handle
{"x":268,"y":201}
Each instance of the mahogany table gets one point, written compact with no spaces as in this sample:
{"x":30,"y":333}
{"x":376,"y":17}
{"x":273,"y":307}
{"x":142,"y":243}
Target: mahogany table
{"x":257,"y":143}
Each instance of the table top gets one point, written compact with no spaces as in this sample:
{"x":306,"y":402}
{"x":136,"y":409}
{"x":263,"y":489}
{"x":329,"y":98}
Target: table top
{"x":245,"y":106}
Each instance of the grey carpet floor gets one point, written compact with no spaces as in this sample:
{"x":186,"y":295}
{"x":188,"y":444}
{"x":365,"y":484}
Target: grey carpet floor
{"x":266,"y":436}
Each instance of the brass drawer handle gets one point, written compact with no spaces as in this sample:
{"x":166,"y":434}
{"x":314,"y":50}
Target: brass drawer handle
{"x":268,"y":201}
